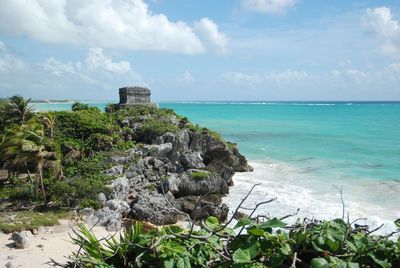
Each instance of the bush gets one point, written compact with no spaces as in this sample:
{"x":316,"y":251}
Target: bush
{"x":151,"y":129}
{"x":85,"y":179}
{"x":77,"y":106}
{"x":80,"y":125}
{"x":271,"y":243}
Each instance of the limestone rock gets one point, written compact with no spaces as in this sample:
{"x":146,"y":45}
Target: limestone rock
{"x":108,"y":218}
{"x":21,"y":240}
{"x":102,"y":199}
{"x":155,"y":209}
{"x":115,"y":170}
{"x":191,"y":160}
{"x":10,"y":265}
{"x":120,"y":188}
{"x":86,"y":213}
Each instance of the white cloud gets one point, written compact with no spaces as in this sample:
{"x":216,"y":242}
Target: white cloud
{"x":97,"y":60}
{"x":286,"y":76}
{"x":381,"y":22}
{"x":2,"y":47}
{"x":58,"y":68}
{"x":186,"y":77}
{"x":350,"y":76}
{"x":269,"y":6}
{"x":8,"y":62}
{"x":97,"y":73}
{"x":125,"y":24}
{"x":211,"y":36}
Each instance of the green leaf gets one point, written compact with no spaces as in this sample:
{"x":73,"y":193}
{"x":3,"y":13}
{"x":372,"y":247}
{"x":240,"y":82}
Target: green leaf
{"x":175,"y":229}
{"x":318,"y":263}
{"x":243,"y":222}
{"x":183,"y":262}
{"x":286,"y":249}
{"x":333,"y":245}
{"x":397,"y":223}
{"x":254,"y":249}
{"x":212,"y":222}
{"x":273,"y":223}
{"x":352,"y":265}
{"x":169,"y":263}
{"x":383,"y":264}
{"x":241,"y":256}
{"x":255,"y":231}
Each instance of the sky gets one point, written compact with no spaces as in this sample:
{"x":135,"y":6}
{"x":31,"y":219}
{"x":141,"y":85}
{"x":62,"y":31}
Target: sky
{"x":190,"y":50}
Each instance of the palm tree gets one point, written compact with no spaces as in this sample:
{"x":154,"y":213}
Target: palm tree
{"x":49,"y":121}
{"x":25,"y":147}
{"x":18,"y":110}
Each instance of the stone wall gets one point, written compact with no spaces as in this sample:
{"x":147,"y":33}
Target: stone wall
{"x":134,"y":95}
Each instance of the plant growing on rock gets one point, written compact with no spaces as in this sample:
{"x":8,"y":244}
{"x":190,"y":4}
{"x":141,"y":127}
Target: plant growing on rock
{"x":252,"y":242}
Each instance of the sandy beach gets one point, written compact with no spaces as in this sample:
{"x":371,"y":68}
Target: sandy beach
{"x":54,"y":242}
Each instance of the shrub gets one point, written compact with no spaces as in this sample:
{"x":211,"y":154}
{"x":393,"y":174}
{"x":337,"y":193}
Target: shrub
{"x":151,"y":129}
{"x":270,"y":243}
{"x":85,"y":179}
{"x":77,"y":106}
{"x":80,"y":125}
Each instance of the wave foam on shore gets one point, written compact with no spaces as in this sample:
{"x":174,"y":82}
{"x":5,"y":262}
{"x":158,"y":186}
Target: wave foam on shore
{"x":316,"y":197}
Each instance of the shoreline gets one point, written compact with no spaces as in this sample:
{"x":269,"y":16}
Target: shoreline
{"x":315,"y":198}
{"x":56,"y":245}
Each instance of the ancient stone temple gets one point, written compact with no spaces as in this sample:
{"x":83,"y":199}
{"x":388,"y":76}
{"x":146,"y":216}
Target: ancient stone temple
{"x":135,"y":96}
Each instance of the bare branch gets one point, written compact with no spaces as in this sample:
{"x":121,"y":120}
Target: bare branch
{"x":290,"y":215}
{"x":374,"y":230}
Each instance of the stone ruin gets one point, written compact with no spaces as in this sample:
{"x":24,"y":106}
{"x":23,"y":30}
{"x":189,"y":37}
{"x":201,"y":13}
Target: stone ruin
{"x":135,"y":96}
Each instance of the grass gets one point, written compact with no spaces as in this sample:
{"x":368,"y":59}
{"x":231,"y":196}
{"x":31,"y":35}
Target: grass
{"x":200,"y":175}
{"x":29,"y":220}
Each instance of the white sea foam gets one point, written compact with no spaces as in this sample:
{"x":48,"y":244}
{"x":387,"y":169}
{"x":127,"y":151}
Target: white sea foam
{"x":315,"y":197}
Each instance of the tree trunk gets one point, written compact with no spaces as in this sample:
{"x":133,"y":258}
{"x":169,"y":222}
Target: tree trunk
{"x":41,"y":182}
{"x":29,"y":174}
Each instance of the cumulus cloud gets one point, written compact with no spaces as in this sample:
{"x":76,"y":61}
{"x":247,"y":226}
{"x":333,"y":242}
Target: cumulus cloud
{"x":114,"y":24}
{"x":97,"y":60}
{"x":97,"y":72}
{"x":211,"y":36}
{"x":58,"y":68}
{"x":269,"y":6}
{"x":380,"y":21}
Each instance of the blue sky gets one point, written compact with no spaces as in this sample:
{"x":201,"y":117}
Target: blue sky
{"x":201,"y":50}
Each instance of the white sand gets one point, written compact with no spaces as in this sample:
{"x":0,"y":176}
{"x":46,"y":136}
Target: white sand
{"x":56,"y":245}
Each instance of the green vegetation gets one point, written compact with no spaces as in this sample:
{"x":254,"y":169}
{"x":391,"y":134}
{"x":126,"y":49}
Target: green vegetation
{"x":270,"y":243}
{"x":29,"y":220}
{"x":58,"y":159}
{"x":200,"y":175}
{"x":61,"y":156}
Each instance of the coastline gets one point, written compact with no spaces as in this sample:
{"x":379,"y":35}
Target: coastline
{"x":56,"y":244}
{"x":315,"y":198}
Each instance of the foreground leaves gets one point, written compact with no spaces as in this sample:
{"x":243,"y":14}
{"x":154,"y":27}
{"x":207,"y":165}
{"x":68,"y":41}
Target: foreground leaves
{"x":272,"y":243}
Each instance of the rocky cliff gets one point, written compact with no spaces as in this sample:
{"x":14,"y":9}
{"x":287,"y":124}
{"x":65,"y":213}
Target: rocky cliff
{"x":178,"y":169}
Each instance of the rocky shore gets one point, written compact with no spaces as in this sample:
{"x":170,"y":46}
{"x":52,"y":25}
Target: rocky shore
{"x":169,"y":177}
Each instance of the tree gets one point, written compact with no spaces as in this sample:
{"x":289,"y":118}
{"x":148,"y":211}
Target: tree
{"x":24,"y":147}
{"x":17,"y":110}
{"x":49,"y":121}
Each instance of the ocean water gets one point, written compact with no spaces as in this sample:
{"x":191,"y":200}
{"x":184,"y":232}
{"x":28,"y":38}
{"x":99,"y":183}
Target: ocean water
{"x":304,"y":152}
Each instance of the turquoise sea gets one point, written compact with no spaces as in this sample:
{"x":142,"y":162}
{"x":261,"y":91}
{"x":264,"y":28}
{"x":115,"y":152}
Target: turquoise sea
{"x":304,"y":152}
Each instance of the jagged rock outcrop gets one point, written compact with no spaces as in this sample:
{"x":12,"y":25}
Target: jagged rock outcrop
{"x":177,"y":174}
